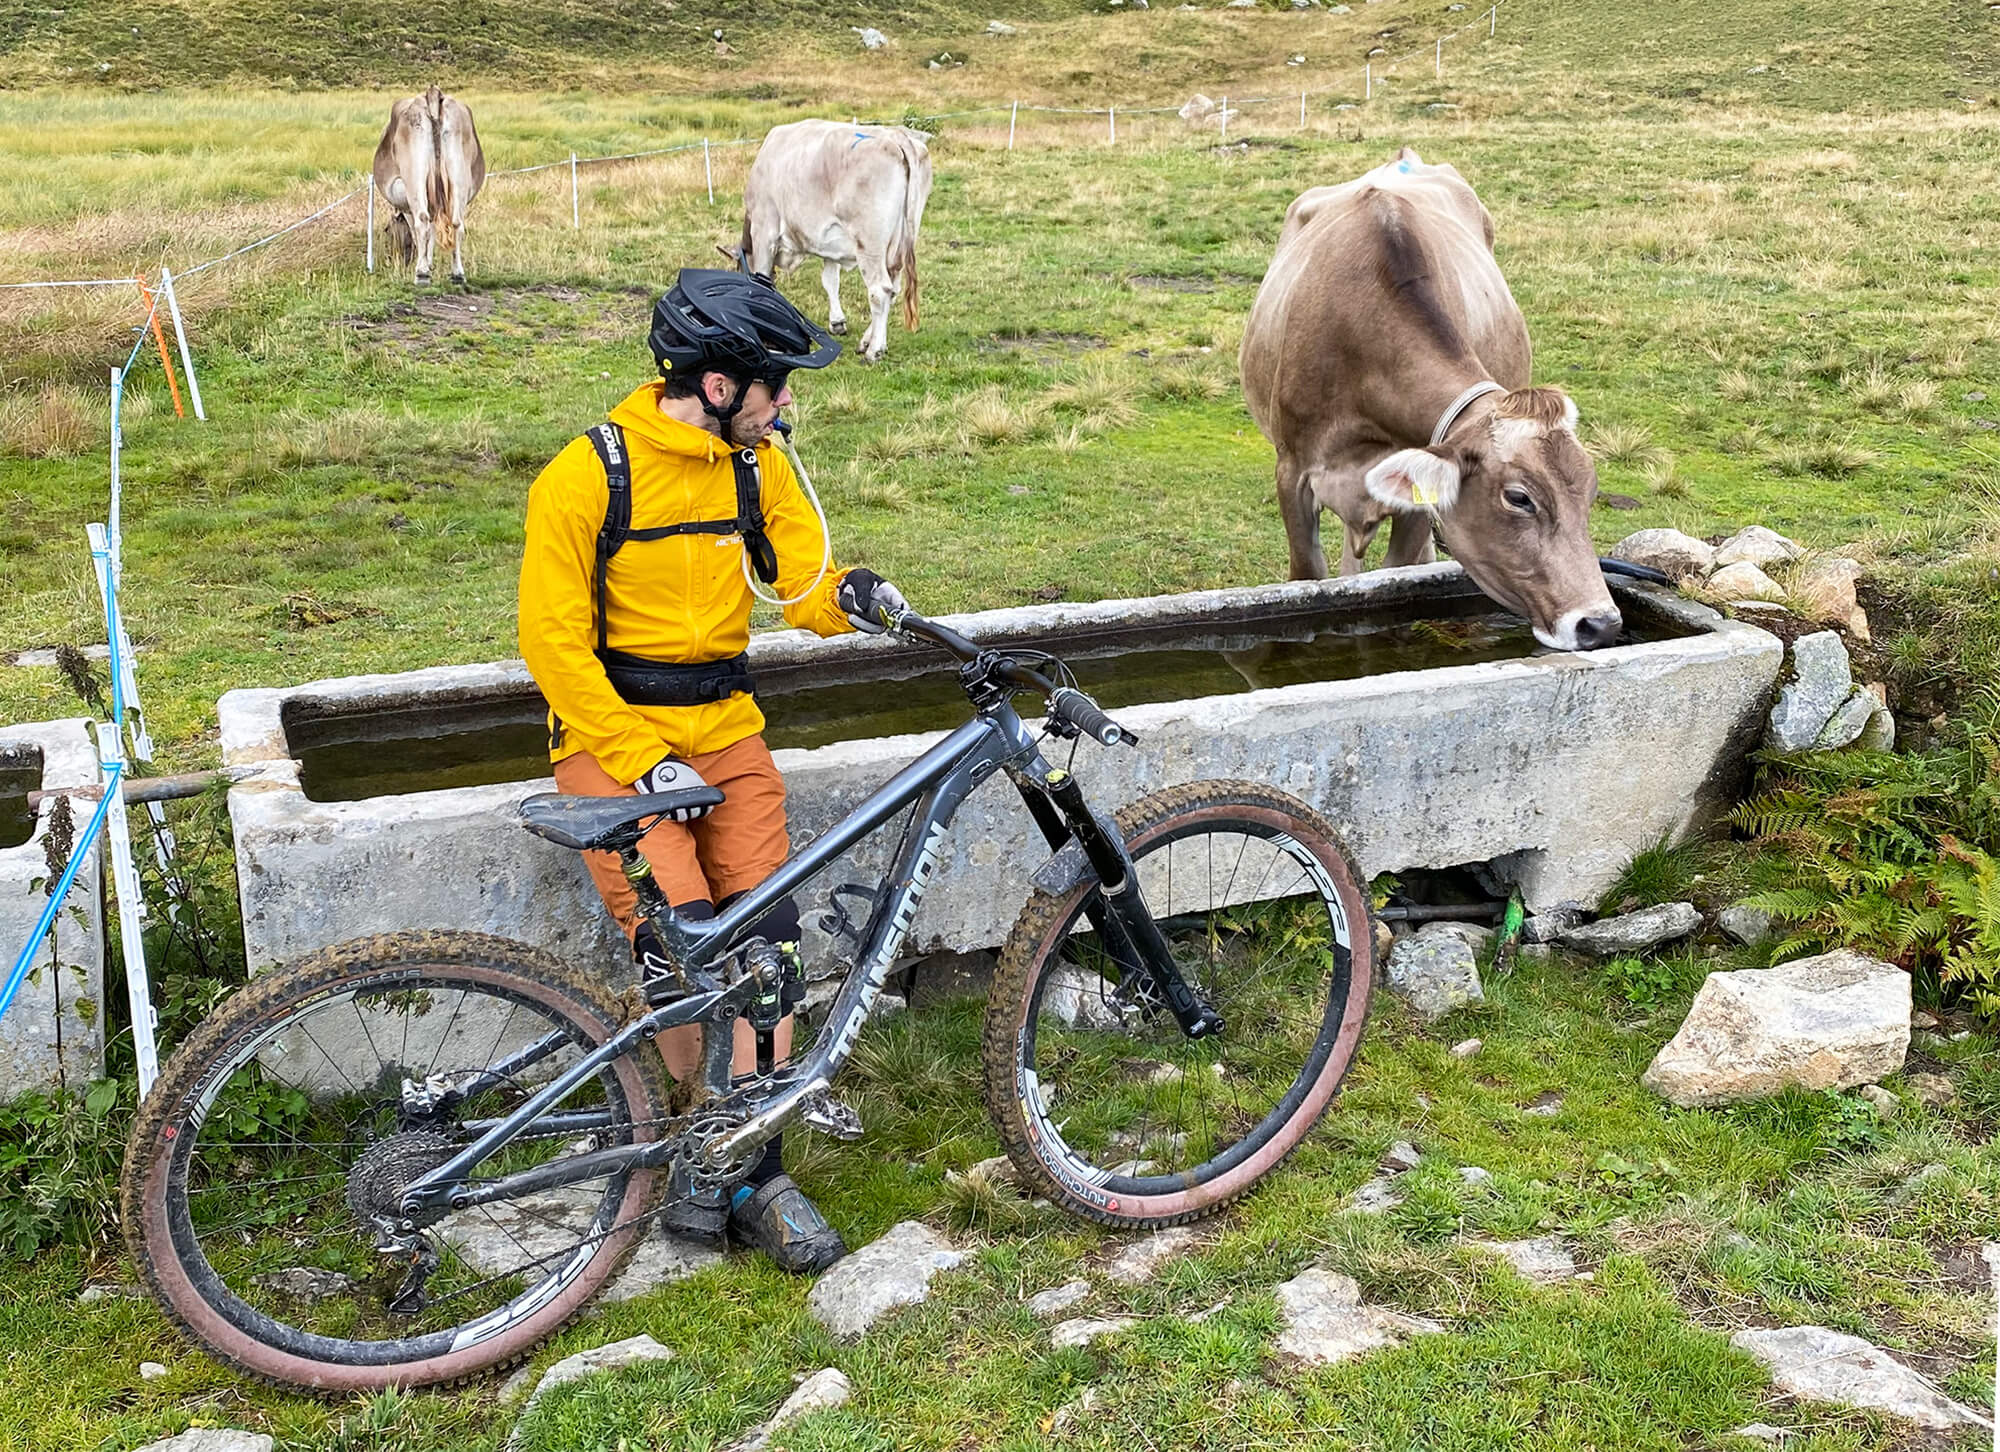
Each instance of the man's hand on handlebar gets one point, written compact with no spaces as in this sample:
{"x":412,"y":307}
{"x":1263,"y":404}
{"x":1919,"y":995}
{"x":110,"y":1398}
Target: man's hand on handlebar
{"x":871,"y":602}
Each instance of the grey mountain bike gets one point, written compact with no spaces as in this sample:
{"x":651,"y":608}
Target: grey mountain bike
{"x":408,"y":1159}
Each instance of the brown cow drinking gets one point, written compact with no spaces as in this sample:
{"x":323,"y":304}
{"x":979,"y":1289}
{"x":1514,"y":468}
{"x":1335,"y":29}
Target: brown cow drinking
{"x":429,"y":167}
{"x":1387,"y":362}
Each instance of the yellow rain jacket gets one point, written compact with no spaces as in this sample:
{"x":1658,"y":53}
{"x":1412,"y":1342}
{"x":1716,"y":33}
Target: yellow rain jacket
{"x":681,"y":599}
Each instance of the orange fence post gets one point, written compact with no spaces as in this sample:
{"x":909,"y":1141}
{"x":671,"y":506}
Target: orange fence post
{"x":153,"y":315}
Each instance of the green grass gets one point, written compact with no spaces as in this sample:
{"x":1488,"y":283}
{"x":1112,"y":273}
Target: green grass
{"x":1692,"y":1223}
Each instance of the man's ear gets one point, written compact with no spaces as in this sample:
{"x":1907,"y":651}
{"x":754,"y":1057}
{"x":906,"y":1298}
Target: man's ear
{"x":1411,"y":480}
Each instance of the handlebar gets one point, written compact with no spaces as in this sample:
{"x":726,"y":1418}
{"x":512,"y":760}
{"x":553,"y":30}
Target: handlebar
{"x":1066,"y":703}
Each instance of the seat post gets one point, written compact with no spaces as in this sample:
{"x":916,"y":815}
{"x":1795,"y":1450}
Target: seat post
{"x":639,"y":872}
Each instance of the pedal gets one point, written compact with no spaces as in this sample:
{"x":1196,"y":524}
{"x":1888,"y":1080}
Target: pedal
{"x":828,"y":1115}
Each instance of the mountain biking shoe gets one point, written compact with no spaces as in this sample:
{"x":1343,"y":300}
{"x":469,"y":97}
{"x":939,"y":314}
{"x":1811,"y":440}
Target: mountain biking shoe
{"x":701,"y":1217}
{"x":778,"y":1219}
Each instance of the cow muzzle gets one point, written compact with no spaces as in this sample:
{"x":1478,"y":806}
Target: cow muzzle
{"x":1587,"y":629}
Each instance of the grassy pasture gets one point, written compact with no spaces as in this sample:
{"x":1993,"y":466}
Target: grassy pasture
{"x":1755,"y":243}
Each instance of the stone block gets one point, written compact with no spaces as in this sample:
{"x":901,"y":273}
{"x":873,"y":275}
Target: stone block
{"x":52,"y":1035}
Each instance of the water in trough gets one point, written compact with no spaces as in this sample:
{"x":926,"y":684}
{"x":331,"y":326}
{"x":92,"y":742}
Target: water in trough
{"x":349,"y":756}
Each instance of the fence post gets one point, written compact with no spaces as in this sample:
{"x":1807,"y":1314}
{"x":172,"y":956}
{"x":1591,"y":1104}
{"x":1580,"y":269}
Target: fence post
{"x":1225,"y":120}
{"x":707,"y":171}
{"x":369,"y":186}
{"x":1440,"y":57}
{"x":1492,"y":19}
{"x":1302,"y":110}
{"x":1114,"y":125}
{"x":1368,"y":80}
{"x":575,"y":212}
{"x":180,"y":336}
{"x":1012,"y":116}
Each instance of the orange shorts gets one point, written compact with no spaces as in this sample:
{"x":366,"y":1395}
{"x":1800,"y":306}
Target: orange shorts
{"x":730,"y":850}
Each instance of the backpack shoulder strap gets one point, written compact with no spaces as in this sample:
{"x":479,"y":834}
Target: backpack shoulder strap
{"x":750,"y":515}
{"x":608,"y":439}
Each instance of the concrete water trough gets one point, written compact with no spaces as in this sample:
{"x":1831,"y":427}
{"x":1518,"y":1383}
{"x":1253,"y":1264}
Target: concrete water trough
{"x":1424,"y":723}
{"x":52,"y":1035}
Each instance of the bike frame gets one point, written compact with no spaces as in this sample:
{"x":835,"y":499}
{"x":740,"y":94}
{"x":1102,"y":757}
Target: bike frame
{"x":939,"y":781}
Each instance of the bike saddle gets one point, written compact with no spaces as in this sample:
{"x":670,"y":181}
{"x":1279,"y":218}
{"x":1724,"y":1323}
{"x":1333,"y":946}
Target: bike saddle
{"x":591,"y":824}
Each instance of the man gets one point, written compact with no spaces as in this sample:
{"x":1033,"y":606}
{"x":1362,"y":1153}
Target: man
{"x":634,"y":618}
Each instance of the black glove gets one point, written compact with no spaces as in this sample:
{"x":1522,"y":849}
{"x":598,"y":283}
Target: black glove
{"x":673,"y":776}
{"x":870,"y":601}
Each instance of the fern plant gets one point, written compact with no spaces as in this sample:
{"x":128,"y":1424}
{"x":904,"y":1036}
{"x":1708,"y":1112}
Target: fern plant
{"x":1889,"y":855}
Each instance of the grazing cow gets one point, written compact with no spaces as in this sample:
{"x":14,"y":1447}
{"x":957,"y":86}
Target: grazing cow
{"x":852,"y":196}
{"x":429,"y":168}
{"x":1386,"y":361}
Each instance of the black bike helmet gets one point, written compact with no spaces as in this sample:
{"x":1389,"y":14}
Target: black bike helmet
{"x":734,"y":323}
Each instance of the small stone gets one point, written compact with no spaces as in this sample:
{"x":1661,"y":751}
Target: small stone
{"x":307,"y":1283}
{"x":1466,"y":1048}
{"x":1377,"y":1197}
{"x":1668,"y":551}
{"x":1326,"y":1323}
{"x":1475,"y":1175}
{"x":1385,"y":944}
{"x":824,"y":1389}
{"x":1880,"y":732}
{"x":1086,"y":1329}
{"x":1819,"y":1365}
{"x":1756,"y":545}
{"x":151,"y":1370}
{"x":1823,"y":681}
{"x":999,"y":27}
{"x":1546,"y":1107}
{"x":1744,"y":582}
{"x":1886,"y":1104}
{"x":1138,"y":1262}
{"x":1544,"y":1260}
{"x":212,"y":1439}
{"x":632,"y":1351}
{"x":1535,"y":953}
{"x":1933,"y":1091}
{"x":1927,"y":1022}
{"x":1824,"y":589}
{"x":1744,"y":924}
{"x":1045,"y":1305}
{"x":1435,"y":970}
{"x":1764,"y":1431}
{"x":1974,"y":396}
{"x":1077,"y":999}
{"x":1636,"y":931}
{"x":518,"y":1385}
{"x":1552,"y":922}
{"x":1017,"y":489}
{"x":91,"y":1295}
{"x":871,"y":38}
{"x":1845,"y":726}
{"x":893,"y":1271}
{"x":1402,"y":1156}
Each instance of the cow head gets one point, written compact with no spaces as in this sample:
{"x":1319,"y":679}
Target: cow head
{"x":1512,"y":492}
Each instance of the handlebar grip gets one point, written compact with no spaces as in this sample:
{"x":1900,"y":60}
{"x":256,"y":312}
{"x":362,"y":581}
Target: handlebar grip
{"x":1081,"y":712}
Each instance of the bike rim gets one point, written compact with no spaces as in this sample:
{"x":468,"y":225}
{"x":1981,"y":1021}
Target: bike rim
{"x":1126,"y":1112}
{"x":262,"y":1249}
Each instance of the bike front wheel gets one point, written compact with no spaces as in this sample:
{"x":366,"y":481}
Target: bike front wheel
{"x":1101,"y":1100}
{"x":262,"y":1186}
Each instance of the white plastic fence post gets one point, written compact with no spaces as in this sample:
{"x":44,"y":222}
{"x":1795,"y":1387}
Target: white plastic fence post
{"x":1368,"y":80}
{"x":1114,"y":125}
{"x":1012,"y":117}
{"x":575,"y":211}
{"x":1302,"y":110}
{"x":370,"y":223}
{"x":1440,"y":57}
{"x":1492,"y":19}
{"x":1225,"y":120}
{"x":707,"y":171}
{"x":180,"y":336}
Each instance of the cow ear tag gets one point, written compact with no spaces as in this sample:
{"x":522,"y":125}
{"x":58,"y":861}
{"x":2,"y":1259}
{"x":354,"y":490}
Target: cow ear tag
{"x":1421,"y":492}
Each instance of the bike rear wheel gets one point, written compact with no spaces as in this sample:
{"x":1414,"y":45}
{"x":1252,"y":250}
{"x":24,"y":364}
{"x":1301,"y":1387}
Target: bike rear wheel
{"x":1101,"y":1100}
{"x":279,"y":1137}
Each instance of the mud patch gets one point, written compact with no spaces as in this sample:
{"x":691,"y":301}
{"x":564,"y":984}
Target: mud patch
{"x":437,"y":324}
{"x":1964,"y":1268}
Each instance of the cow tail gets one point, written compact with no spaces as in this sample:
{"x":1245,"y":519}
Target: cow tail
{"x":916,"y":190}
{"x":440,"y":201}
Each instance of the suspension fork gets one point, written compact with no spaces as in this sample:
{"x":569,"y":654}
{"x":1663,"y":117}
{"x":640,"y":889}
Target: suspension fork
{"x":1118,"y":910}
